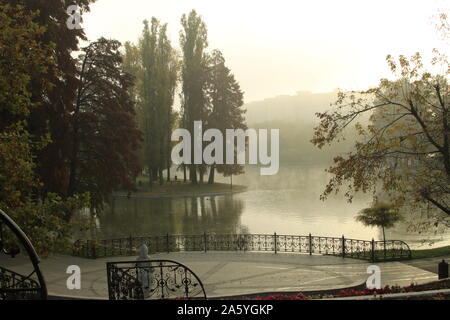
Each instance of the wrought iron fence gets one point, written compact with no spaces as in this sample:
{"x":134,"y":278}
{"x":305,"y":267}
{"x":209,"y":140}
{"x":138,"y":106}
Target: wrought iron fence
{"x":351,"y":248}
{"x":152,"y":279}
{"x":14,"y":286}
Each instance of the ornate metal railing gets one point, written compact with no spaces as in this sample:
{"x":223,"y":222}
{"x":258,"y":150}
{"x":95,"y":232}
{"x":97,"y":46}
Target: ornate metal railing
{"x":352,"y":248}
{"x":152,"y":279}
{"x":14,"y":286}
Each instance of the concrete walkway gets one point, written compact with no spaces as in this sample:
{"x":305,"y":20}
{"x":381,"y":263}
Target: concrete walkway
{"x":229,"y":274}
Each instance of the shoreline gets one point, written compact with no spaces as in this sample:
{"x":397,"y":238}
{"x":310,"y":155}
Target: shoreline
{"x":143,"y":195}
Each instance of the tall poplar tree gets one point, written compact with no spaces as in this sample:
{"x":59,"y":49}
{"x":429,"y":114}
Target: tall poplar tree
{"x":194,"y":41}
{"x":167,"y":68}
{"x":149,"y":80}
{"x":160,"y":75}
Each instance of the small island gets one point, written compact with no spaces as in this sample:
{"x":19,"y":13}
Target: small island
{"x":180,"y":189}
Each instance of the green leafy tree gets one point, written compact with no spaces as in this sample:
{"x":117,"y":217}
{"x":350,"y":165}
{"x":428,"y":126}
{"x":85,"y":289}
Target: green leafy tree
{"x":22,"y":56}
{"x":56,"y":101}
{"x":104,"y":134}
{"x":132,"y":64}
{"x":167,"y":67}
{"x":194,"y":41}
{"x":226,"y":112}
{"x":148,"y":45}
{"x":403,"y":153}
{"x":380,"y":215}
{"x":159,"y":74}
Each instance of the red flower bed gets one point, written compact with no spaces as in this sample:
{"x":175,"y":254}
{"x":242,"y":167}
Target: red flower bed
{"x":355,"y":293}
{"x":299,"y":296}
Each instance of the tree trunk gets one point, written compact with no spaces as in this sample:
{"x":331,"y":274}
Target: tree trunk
{"x":211,"y":174}
{"x":161,"y":180}
{"x":168,"y":171}
{"x":214,"y":206}
{"x":192,"y":166}
{"x":73,"y":164}
{"x":384,"y":243}
{"x":169,"y":141}
{"x":193,"y":173}
{"x":201,"y":173}
{"x":151,"y":177}
{"x":184,"y":173}
{"x":75,"y":148}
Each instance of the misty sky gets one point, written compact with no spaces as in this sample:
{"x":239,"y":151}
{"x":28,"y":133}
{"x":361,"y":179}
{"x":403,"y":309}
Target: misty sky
{"x":281,"y":47}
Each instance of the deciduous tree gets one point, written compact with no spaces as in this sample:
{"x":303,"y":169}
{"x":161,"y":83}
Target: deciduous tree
{"x":404,"y":152}
{"x":104,"y":135}
{"x":194,"y":41}
{"x":160,"y":66}
{"x":381,"y":215}
{"x":226,"y":112}
{"x":57,"y":100}
{"x":23,"y":56}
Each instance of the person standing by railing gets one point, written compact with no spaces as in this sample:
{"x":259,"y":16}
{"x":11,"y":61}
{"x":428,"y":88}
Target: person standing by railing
{"x":144,"y":271}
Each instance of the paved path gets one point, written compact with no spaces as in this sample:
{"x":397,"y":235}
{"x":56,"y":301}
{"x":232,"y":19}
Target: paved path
{"x":228,"y":274}
{"x":428,"y":264}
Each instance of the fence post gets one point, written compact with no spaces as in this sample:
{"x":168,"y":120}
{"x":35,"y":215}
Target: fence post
{"x":204,"y":241}
{"x":167,"y":243}
{"x":310,"y":244}
{"x":87,"y":249}
{"x":275,"y":241}
{"x":373,"y":250}
{"x":130,"y":245}
{"x":343,"y":246}
{"x":94,"y":252}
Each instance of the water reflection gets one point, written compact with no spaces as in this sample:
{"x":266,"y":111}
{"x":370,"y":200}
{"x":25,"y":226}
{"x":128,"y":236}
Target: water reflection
{"x":157,"y":216}
{"x":287,"y":203}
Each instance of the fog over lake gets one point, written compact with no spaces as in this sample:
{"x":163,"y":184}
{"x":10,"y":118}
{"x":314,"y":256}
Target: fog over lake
{"x":285,"y":203}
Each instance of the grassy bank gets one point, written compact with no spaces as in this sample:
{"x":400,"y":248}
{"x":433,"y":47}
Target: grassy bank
{"x":180,"y":188}
{"x":392,"y":255}
{"x":418,"y":254}
{"x":431,"y":253}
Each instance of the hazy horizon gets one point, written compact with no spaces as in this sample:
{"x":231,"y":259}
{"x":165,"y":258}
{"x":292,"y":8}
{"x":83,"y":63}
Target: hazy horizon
{"x":316,"y":47}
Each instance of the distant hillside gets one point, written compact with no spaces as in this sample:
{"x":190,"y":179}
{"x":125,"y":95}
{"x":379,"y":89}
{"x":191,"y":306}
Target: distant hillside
{"x":295,"y":117}
{"x":301,"y":107}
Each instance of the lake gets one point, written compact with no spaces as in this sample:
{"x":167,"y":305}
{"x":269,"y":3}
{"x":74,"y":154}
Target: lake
{"x":287,"y":203}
